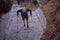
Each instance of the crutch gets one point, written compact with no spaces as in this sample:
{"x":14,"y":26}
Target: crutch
{"x":17,"y":19}
{"x":32,"y":19}
{"x":17,"y":28}
{"x":17,"y":22}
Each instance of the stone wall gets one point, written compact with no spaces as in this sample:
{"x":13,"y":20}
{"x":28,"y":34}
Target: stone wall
{"x":52,"y":12}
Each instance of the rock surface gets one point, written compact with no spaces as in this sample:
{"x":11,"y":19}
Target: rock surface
{"x":52,"y":13}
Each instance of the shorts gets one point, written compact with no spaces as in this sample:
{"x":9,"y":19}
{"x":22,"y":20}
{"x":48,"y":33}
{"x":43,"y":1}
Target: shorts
{"x":24,"y":15}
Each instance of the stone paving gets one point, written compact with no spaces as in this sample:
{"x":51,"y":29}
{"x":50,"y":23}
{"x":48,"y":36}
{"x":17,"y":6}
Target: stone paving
{"x":16,"y":31}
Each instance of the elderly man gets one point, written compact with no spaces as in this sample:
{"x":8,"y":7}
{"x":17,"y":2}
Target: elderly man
{"x":24,"y":14}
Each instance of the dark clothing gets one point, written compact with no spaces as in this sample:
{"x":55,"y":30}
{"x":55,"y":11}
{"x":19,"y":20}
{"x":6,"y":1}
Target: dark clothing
{"x":24,"y":14}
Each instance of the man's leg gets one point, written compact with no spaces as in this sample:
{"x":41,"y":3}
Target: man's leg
{"x":24,"y":22}
{"x":23,"y":18}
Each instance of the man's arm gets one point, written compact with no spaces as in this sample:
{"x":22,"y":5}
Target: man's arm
{"x":18,"y":12}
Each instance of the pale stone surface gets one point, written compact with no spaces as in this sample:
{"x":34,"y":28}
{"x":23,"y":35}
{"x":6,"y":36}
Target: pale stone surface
{"x":14,"y":29}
